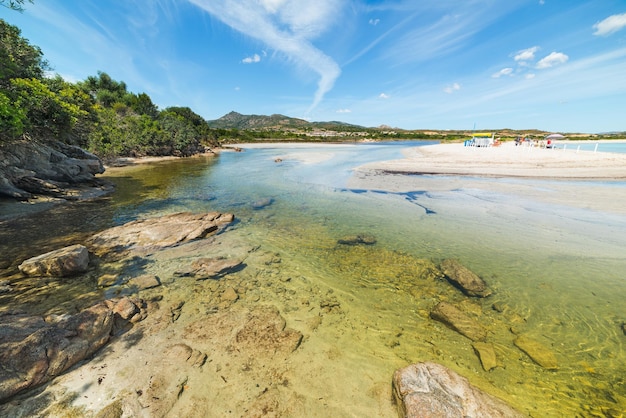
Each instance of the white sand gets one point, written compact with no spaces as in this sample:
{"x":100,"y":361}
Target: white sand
{"x":508,"y":160}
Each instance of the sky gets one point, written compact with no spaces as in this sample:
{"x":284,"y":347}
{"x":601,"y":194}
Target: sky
{"x":554,"y":65}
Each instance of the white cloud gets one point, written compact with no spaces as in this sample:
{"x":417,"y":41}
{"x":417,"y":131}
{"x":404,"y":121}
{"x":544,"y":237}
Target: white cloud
{"x":610,"y":25}
{"x":554,"y":58}
{"x":287,"y":26}
{"x":504,"y":71}
{"x":344,"y":111}
{"x":383,"y":96}
{"x":452,"y":88}
{"x":252,"y":59}
{"x":374,"y":22}
{"x":527,"y":54}
{"x":529,"y":76}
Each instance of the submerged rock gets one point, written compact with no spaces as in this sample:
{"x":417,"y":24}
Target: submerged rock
{"x":359,"y":239}
{"x":465,"y":279}
{"x":486,"y":354}
{"x":539,"y":353}
{"x":457,"y":320}
{"x":262,"y":203}
{"x":60,"y":263}
{"x":431,"y":390}
{"x":210,"y":268}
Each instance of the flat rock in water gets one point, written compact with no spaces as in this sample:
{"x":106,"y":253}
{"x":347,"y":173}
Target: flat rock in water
{"x":486,"y":354}
{"x":434,"y":391}
{"x":457,"y":320}
{"x":539,"y":353}
{"x":465,"y":279}
{"x":156,"y":233}
{"x":360,"y":239}
{"x":60,"y":263}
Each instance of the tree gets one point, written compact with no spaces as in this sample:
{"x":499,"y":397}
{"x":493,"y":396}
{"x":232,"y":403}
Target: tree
{"x":17,"y":5}
{"x":104,"y":90}
{"x":18,"y":58}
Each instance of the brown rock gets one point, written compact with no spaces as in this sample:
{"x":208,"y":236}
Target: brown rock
{"x":211,"y":268}
{"x":465,"y":279}
{"x":539,"y":353}
{"x":147,"y":235}
{"x":230,"y":295}
{"x":486,"y":354}
{"x":431,"y":390}
{"x":63,"y":262}
{"x":146,"y":281}
{"x":359,"y":239}
{"x":33,"y":351}
{"x":457,"y":320}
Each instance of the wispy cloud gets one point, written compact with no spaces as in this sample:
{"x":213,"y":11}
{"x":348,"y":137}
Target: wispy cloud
{"x":502,"y":72}
{"x":610,"y":25}
{"x":287,"y":26}
{"x":452,"y":88}
{"x":344,"y":111}
{"x":527,"y":54}
{"x":554,"y":58}
{"x":383,"y":96}
{"x":374,"y":22}
{"x":252,"y":59}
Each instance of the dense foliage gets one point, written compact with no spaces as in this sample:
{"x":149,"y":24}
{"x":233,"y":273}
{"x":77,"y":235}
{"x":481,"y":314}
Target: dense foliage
{"x":98,"y":114}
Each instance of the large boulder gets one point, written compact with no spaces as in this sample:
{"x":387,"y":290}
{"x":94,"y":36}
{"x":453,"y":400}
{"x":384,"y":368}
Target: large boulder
{"x":66,"y":261}
{"x":464,"y":279}
{"x":29,"y":168}
{"x":148,"y":235}
{"x":459,"y":321}
{"x":434,"y":391}
{"x":33,"y":349}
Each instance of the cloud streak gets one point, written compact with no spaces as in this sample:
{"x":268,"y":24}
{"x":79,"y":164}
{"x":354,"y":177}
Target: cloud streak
{"x":610,"y":25}
{"x":287,"y":26}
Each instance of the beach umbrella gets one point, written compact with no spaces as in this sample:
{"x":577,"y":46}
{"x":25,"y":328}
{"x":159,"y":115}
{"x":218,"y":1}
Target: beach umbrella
{"x":555,"y":136}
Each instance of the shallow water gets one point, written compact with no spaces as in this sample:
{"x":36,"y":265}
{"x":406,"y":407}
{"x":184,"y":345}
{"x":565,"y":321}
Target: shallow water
{"x":558,"y":272}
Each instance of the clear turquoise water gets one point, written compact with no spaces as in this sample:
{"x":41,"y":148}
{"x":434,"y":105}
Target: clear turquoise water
{"x":558,"y":270}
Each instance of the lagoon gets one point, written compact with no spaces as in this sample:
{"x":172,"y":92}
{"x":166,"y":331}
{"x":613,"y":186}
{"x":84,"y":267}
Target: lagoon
{"x":557,"y":270}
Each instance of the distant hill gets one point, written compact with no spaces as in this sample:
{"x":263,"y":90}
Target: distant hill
{"x":234,"y":120}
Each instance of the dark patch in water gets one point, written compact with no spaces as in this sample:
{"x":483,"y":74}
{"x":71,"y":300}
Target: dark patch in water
{"x":409,"y":196}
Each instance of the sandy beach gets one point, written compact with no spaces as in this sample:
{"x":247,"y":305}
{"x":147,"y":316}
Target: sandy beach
{"x":582,"y":179}
{"x":508,"y":160}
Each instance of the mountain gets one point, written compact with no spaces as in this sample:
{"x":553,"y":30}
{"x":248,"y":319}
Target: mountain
{"x":234,"y":120}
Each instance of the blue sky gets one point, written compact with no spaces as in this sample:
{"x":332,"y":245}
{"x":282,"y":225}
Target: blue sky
{"x":555,"y":65}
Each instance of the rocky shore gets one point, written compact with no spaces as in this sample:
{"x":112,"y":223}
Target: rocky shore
{"x":148,"y":352}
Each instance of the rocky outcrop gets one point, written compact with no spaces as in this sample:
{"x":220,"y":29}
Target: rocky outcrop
{"x":148,"y":235}
{"x":53,"y":169}
{"x":459,"y":321}
{"x":539,"y":353}
{"x":33,"y":349}
{"x":64,"y":262}
{"x":431,"y":390}
{"x":464,"y":279}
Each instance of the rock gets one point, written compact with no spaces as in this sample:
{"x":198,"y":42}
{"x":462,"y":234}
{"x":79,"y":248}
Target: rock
{"x":539,"y":353}
{"x":107,"y":280}
{"x":185,"y":353}
{"x":230,"y":295}
{"x":431,"y":390}
{"x":33,"y":351}
{"x":486,"y":354}
{"x":211,"y":268}
{"x":147,"y":235}
{"x":457,"y":320}
{"x":253,"y":333}
{"x":61,"y":263}
{"x":465,"y":279}
{"x":146,"y":281}
{"x":262,"y":203}
{"x":358,"y":239}
{"x":28,"y":168}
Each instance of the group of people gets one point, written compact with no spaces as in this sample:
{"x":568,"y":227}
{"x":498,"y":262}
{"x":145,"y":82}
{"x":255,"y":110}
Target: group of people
{"x":533,"y":143}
